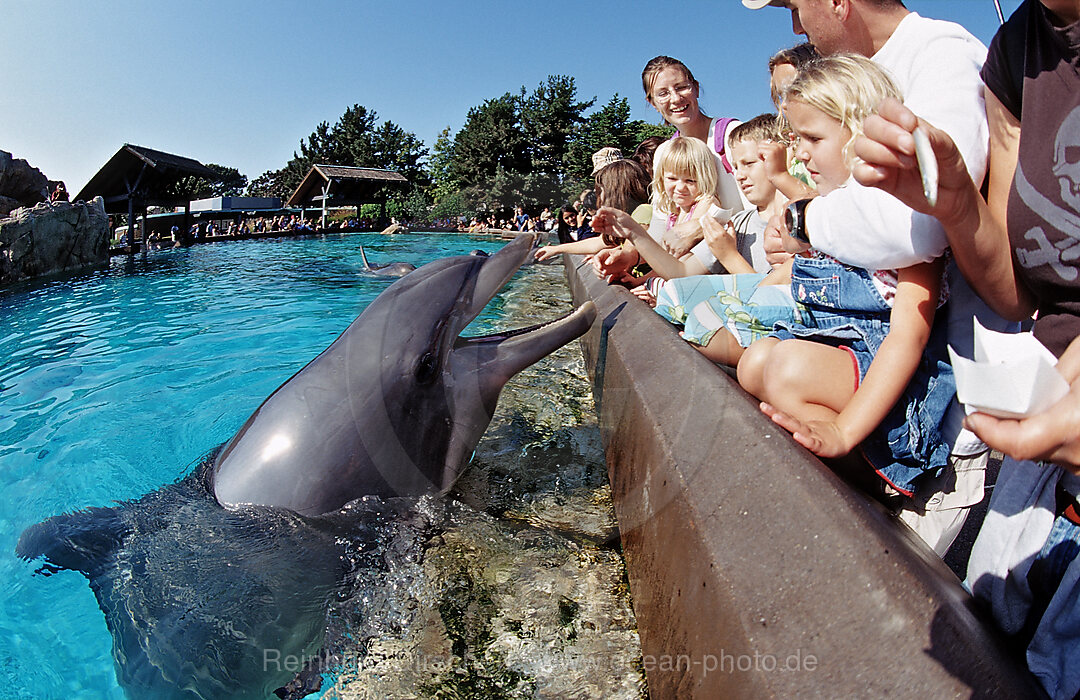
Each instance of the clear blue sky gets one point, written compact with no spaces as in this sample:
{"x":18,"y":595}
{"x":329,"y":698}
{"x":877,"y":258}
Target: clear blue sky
{"x":240,"y":82}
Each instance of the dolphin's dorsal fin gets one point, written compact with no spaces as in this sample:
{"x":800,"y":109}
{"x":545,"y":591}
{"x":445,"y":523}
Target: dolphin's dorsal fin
{"x":363,"y":256}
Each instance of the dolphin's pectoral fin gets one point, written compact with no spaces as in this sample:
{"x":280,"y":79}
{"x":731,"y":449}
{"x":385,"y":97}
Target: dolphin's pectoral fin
{"x":80,"y":541}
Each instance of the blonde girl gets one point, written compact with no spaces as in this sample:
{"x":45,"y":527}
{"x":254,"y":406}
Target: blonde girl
{"x":683,"y":190}
{"x":866,"y":371}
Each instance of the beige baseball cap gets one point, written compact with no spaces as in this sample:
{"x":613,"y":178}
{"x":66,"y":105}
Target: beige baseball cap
{"x":756,"y":4}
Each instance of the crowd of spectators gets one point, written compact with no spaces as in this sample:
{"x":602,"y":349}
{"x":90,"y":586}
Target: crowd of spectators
{"x":811,"y":250}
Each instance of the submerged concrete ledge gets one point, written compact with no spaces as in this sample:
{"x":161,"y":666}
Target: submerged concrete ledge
{"x":756,"y":572}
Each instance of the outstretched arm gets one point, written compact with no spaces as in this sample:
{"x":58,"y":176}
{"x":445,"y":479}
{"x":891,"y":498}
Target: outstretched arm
{"x":589,"y":246}
{"x":975,"y":230}
{"x":680,"y":239}
{"x":619,"y":224}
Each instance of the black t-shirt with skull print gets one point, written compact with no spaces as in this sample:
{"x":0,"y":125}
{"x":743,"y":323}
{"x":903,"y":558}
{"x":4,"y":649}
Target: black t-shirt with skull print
{"x":1034,"y":69}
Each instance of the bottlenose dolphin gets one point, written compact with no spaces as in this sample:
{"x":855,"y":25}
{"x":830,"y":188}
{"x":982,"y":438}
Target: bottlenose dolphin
{"x":397,"y":403}
{"x":205,"y":581}
{"x":394,"y":269}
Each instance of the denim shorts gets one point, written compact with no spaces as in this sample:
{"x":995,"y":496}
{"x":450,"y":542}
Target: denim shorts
{"x":848,"y":312}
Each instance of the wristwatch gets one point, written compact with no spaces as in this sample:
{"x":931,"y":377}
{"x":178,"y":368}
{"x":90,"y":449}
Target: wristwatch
{"x":795,"y":220}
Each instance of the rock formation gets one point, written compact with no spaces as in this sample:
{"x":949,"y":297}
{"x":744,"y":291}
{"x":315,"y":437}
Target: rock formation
{"x":51,"y":237}
{"x":21,"y":185}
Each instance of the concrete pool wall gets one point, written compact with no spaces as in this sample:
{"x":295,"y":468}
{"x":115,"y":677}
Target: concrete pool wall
{"x":755,"y":570}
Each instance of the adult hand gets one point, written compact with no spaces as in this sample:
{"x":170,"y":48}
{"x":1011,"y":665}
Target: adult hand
{"x":1053,"y":435}
{"x":823,"y":438}
{"x":888,"y":162}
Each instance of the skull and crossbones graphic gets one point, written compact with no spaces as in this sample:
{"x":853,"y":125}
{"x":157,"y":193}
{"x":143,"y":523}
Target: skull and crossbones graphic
{"x":1062,"y":256}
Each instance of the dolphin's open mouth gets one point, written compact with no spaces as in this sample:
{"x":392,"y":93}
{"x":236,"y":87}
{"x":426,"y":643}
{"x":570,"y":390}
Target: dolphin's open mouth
{"x":519,"y":347}
{"x":505,"y":335}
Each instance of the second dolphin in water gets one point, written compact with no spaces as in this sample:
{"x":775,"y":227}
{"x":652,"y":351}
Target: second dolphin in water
{"x":394,"y":269}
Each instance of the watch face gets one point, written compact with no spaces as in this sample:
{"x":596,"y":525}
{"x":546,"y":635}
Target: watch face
{"x":794,"y":218}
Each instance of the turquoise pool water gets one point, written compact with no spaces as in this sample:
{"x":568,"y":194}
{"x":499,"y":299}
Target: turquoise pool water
{"x":115,"y":382}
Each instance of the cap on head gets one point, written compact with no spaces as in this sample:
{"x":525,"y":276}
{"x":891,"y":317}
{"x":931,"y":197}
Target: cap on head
{"x":605,"y":156}
{"x":756,"y":4}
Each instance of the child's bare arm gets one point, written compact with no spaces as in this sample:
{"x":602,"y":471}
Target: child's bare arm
{"x":723,"y":244}
{"x":892,"y":369}
{"x":589,"y":246}
{"x":681,"y":238}
{"x":775,"y":157}
{"x":619,"y":223}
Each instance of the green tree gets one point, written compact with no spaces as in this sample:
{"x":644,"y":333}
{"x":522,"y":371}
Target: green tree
{"x":229,"y":182}
{"x":490,"y":154}
{"x":550,"y":117}
{"x":440,"y":164}
{"x":642,"y":130}
{"x":416,"y":206}
{"x":605,"y":127}
{"x":355,"y":140}
{"x":453,"y":204}
{"x":609,"y":126}
{"x":266,"y":185}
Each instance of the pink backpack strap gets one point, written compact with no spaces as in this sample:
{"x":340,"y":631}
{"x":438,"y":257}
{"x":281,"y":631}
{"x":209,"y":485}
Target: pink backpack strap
{"x":720,"y":145}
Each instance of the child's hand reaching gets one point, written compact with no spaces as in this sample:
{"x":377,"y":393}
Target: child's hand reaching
{"x":616,"y":223}
{"x":544,"y":252}
{"x":823,"y":438}
{"x":681,"y":238}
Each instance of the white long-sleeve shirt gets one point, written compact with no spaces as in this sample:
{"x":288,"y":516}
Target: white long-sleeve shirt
{"x":936,"y":65}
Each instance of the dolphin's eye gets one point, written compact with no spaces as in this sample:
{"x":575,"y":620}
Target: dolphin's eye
{"x":426,"y":368}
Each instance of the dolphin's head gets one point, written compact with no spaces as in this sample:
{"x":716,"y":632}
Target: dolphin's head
{"x":397,"y":404}
{"x":441,"y":387}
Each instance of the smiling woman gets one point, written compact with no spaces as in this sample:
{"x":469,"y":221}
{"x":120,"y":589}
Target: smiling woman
{"x":673,"y":91}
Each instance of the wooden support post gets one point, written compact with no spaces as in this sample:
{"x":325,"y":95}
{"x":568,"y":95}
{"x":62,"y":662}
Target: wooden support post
{"x":131,"y":226}
{"x":325,"y":195}
{"x":145,"y":234}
